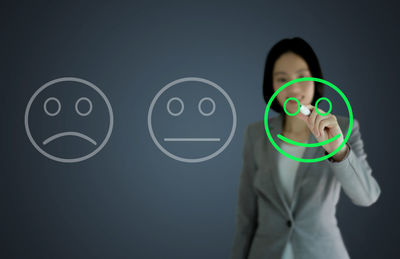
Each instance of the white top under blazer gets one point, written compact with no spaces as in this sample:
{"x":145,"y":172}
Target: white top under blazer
{"x":287,"y":169}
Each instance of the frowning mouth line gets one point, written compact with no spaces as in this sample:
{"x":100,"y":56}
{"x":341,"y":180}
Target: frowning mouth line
{"x":191,"y":139}
{"x":69,"y":133}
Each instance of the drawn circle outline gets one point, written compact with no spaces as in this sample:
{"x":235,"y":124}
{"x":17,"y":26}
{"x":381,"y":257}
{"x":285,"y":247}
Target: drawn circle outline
{"x":308,"y":160}
{"x":90,"y":106}
{"x":182,"y":80}
{"x":182,"y":106}
{"x":330,"y":106}
{"x":68,"y":79}
{"x":45,"y":106}
{"x":201,"y":110}
{"x":298,"y":106}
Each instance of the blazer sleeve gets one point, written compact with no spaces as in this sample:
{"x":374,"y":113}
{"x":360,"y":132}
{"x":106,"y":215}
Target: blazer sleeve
{"x":246,"y":211}
{"x":354,"y":172}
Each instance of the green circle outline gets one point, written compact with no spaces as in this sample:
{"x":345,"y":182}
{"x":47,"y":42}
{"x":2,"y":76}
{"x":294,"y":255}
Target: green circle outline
{"x":315,"y":79}
{"x":298,"y":105}
{"x":330,"y":106}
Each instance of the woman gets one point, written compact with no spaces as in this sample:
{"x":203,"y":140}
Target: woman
{"x":286,"y":209}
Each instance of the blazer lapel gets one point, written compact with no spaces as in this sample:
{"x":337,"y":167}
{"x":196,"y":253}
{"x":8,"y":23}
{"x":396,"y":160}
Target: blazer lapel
{"x":268,"y":179}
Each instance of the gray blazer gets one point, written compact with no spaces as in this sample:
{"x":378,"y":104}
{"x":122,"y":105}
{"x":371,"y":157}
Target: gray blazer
{"x":266,"y":220}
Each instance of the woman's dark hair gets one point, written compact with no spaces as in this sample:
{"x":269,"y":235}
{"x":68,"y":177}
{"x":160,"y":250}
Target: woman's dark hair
{"x":303,"y":49}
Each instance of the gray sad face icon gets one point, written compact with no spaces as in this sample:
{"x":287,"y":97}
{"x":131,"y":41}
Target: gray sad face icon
{"x":53,"y":107}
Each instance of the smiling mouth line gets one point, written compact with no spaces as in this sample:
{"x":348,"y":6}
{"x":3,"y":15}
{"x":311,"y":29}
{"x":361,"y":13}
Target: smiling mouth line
{"x":69,"y":133}
{"x":191,"y":139}
{"x":308,"y":144}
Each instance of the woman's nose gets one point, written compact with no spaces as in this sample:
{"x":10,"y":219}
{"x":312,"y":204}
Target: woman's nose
{"x":295,"y":88}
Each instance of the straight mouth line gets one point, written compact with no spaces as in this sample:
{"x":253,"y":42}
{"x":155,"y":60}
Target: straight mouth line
{"x":191,"y":139}
{"x":70,"y":133}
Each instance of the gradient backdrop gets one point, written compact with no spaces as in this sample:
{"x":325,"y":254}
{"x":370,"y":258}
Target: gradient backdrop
{"x":132,"y":201}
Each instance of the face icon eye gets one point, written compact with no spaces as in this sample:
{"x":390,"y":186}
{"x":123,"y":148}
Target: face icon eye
{"x":298,"y":106}
{"x":52,"y":99}
{"x":177,"y":99}
{"x":83,"y":99}
{"x":201,"y":109}
{"x":330,"y":106}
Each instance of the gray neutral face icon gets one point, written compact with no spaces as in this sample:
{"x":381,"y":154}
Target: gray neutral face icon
{"x":192,"y":119}
{"x":68,"y":119}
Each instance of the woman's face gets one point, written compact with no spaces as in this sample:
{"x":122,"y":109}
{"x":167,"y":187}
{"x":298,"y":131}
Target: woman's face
{"x":287,"y":67}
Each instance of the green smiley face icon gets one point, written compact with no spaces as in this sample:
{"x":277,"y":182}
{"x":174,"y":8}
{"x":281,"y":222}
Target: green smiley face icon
{"x":308,"y":160}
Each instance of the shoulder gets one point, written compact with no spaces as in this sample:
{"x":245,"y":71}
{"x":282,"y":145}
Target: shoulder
{"x":256,"y":130}
{"x":258,"y":127}
{"x":344,"y":123}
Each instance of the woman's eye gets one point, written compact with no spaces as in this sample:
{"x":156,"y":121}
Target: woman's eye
{"x":281,"y":79}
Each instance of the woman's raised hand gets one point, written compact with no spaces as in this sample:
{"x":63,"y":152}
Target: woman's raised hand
{"x":325,"y":128}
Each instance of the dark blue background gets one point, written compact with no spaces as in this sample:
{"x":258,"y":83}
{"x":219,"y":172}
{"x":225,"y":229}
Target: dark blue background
{"x":131,"y":200}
